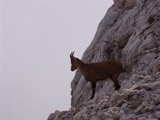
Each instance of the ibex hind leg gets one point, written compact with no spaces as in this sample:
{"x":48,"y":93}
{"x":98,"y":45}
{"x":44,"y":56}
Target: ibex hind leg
{"x":93,"y":89}
{"x":114,"y":78}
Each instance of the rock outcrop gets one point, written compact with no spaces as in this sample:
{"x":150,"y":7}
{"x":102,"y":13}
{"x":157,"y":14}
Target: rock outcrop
{"x":129,"y":33}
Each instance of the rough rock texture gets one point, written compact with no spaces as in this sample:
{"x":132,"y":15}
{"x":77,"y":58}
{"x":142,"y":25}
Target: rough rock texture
{"x":129,"y":33}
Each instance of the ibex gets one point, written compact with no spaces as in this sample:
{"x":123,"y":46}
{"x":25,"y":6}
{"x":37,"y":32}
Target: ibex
{"x":94,"y":72}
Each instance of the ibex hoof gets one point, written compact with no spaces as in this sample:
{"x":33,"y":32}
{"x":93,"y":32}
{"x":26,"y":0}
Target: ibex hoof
{"x":92,"y":97}
{"x":117,"y":88}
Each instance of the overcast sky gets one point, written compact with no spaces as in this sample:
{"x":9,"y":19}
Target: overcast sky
{"x":36,"y":41}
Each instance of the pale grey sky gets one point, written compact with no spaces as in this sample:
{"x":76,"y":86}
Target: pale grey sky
{"x":36,"y":40}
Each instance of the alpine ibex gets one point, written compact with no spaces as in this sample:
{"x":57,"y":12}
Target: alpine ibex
{"x":94,"y":72}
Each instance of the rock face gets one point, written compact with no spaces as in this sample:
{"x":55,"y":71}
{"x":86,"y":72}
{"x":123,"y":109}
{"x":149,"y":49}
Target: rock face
{"x":129,"y":33}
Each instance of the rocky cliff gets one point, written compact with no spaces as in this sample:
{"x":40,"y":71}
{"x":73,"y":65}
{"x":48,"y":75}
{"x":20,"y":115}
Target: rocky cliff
{"x":129,"y":33}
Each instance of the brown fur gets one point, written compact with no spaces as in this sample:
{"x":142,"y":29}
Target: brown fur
{"x":94,"y":72}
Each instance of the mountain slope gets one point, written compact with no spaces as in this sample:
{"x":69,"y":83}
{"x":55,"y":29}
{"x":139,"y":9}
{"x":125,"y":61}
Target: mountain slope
{"x":129,"y":33}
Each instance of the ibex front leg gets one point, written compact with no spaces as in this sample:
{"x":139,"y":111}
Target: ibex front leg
{"x":93,"y":89}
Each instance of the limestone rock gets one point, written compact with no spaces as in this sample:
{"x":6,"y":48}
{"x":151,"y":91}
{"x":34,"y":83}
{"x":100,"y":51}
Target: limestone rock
{"x":129,"y":33}
{"x":122,"y":35}
{"x":135,"y":104}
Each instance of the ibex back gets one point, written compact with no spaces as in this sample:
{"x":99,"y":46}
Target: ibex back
{"x":94,"y":72}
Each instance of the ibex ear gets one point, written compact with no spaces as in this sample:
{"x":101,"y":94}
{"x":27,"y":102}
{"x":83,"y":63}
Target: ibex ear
{"x":71,"y":55}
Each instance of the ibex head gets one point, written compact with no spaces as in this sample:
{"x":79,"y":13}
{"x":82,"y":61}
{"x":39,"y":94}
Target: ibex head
{"x":73,"y":62}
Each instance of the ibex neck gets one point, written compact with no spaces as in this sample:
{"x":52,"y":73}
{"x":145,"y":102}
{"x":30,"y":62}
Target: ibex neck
{"x":80,"y":64}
